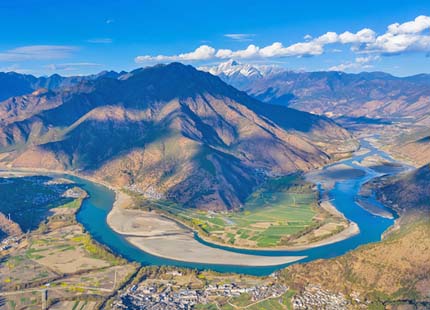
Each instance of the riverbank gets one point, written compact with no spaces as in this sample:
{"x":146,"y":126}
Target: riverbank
{"x":136,"y":225}
{"x":370,"y":207}
{"x":351,"y":230}
{"x":163,"y":237}
{"x":148,"y":230}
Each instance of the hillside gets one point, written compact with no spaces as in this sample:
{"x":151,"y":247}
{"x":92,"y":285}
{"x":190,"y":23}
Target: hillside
{"x":413,"y":149}
{"x":166,"y":131}
{"x":395,"y":269}
{"x":402,"y":275}
{"x":406,"y":192}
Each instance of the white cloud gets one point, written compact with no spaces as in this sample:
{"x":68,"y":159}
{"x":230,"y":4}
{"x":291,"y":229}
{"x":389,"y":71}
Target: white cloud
{"x":410,"y":36}
{"x":203,"y":52}
{"x":360,"y":63}
{"x":71,"y":66}
{"x":15,"y":68}
{"x":37,"y":52}
{"x":311,"y":48}
{"x":240,"y":36}
{"x":418,"y":25}
{"x":250,"y":52}
{"x":389,"y":43}
{"x":365,"y":35}
{"x":327,"y":38}
{"x":100,"y":40}
{"x":407,"y":37}
{"x":367,"y":59}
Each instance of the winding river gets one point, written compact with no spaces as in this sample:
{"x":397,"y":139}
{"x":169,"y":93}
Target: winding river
{"x":95,"y":209}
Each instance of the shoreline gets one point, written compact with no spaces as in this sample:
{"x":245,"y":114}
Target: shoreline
{"x":373,"y":209}
{"x":347,"y":233}
{"x":166,"y":245}
{"x":161,"y":236}
{"x":121,"y":199}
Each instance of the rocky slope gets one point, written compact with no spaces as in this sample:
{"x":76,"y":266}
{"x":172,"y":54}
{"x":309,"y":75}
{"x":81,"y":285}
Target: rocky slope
{"x":168,"y":131}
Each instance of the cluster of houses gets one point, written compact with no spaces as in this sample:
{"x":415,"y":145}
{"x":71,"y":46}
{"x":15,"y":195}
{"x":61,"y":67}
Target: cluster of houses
{"x":156,"y":296}
{"x":9,"y":242}
{"x":149,"y":193}
{"x":313,"y":297}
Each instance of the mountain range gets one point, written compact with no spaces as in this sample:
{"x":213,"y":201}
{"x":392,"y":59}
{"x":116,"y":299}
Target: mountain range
{"x":373,"y":95}
{"x":167,"y":131}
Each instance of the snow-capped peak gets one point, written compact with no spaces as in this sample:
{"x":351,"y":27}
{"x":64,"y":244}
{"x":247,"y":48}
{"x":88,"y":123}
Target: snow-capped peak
{"x":233,"y":68}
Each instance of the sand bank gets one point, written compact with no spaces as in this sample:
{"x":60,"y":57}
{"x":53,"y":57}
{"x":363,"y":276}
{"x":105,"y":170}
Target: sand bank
{"x":163,"y":237}
{"x":373,"y":209}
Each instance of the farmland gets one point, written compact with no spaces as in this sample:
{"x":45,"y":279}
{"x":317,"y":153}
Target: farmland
{"x":280,"y":211}
{"x":57,"y":264}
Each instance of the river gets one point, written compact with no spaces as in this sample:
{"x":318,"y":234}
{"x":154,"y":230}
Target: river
{"x":95,"y":209}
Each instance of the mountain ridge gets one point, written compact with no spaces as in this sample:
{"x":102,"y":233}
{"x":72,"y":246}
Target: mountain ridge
{"x":374,"y":95}
{"x":172,"y":129}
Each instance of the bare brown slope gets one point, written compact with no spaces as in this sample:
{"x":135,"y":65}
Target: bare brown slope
{"x":170,"y":131}
{"x":394,"y":269}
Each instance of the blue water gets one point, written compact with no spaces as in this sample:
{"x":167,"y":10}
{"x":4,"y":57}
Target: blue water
{"x":95,"y":209}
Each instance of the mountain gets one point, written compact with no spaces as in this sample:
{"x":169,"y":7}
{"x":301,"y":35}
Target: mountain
{"x":240,"y":75}
{"x":367,"y":94}
{"x":15,"y":84}
{"x":167,"y":131}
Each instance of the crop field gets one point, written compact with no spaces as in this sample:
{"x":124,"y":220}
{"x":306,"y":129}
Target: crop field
{"x":58,"y":256}
{"x":272,"y":216}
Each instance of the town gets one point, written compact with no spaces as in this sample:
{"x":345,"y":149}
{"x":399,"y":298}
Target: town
{"x":166,"y":296}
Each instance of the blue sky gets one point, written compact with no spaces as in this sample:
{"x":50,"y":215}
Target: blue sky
{"x":81,"y":37}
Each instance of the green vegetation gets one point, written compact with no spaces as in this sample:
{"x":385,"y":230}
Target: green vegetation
{"x":61,"y":253}
{"x":280,"y":210}
{"x":29,"y":199}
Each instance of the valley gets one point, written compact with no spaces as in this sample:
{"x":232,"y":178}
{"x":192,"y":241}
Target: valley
{"x":296,"y":285}
{"x":250,"y":204}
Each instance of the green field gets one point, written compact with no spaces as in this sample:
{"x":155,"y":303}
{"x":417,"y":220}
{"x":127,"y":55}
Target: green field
{"x":279,"y":210}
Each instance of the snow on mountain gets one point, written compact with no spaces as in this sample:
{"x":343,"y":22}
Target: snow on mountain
{"x":236,"y":73}
{"x":232,"y":67}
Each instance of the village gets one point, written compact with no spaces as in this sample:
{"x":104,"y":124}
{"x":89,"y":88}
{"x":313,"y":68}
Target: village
{"x":166,"y":296}
{"x":314,"y":297}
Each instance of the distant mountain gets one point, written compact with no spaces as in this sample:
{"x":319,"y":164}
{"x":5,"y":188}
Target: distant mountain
{"x":368,"y":94}
{"x":15,"y":84}
{"x":167,"y":130}
{"x":240,"y":75}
